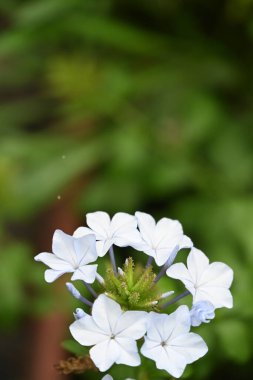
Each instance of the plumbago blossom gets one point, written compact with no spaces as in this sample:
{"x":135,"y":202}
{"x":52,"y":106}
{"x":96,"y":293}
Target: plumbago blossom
{"x":208,"y":282}
{"x":111,"y":332}
{"x":126,"y":305}
{"x":161,"y":240}
{"x":70,"y":255}
{"x":121,"y":230}
{"x":169,"y":341}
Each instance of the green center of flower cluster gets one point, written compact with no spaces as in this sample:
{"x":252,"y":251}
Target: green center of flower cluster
{"x":133,"y":287}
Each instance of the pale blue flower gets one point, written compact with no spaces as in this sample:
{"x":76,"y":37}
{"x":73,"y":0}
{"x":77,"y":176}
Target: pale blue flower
{"x":202,"y":312}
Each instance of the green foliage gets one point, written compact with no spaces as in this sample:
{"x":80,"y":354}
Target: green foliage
{"x":134,"y":105}
{"x":12,"y":279}
{"x":75,"y":348}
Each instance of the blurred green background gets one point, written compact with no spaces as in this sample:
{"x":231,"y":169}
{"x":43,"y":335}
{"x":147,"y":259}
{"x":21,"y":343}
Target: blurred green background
{"x":124,"y":105}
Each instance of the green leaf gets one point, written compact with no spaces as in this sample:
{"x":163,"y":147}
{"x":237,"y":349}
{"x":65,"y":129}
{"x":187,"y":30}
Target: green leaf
{"x":73,"y":347}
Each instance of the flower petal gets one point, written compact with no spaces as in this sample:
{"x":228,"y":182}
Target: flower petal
{"x":85,"y":248}
{"x":146,"y":224}
{"x":151,"y":349}
{"x":180,"y":272}
{"x":180,"y":320}
{"x":144,"y":247}
{"x":124,"y":230}
{"x":168,"y":233}
{"x":86,"y":332}
{"x":132,"y":324}
{"x":52,"y":275}
{"x":63,"y":247}
{"x":164,"y":327}
{"x":105,"y":354}
{"x":219,"y":297}
{"x":185,"y":242}
{"x":99,"y":222}
{"x":128,"y":352}
{"x":165,"y":358}
{"x":218,"y":275}
{"x":122,"y":222}
{"x":197,"y":263}
{"x":106,"y":313}
{"x":191,"y":346}
{"x":85,"y":273}
{"x":163,"y":254}
{"x":158,"y":328}
{"x":82,"y":231}
{"x":171,"y":361}
{"x":129,"y":238}
{"x":53,"y":262}
{"x":103,"y":246}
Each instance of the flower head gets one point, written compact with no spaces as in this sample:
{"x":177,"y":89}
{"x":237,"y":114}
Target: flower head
{"x":111,"y":332}
{"x":206,"y":282}
{"x":70,"y":255}
{"x":131,"y":300}
{"x":121,"y":230}
{"x":161,"y":240}
{"x":202,"y":312}
{"x":169,"y":342}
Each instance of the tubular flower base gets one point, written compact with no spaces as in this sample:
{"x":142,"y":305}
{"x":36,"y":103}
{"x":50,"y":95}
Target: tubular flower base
{"x":128,"y":305}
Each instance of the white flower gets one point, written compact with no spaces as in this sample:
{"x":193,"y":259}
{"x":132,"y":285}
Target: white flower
{"x":161,"y":240}
{"x":121,"y":230}
{"x":169,"y":342}
{"x":201,"y":312}
{"x":206,"y":282}
{"x":112,"y":332}
{"x":69,"y":255}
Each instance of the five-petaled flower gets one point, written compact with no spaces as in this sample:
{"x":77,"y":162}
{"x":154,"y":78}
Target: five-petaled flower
{"x":121,"y":230}
{"x":161,"y":240}
{"x":111,"y":332}
{"x":206,"y":282}
{"x":70,"y":255}
{"x":169,"y":342}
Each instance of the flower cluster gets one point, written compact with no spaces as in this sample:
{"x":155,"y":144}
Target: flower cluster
{"x":129,"y":305}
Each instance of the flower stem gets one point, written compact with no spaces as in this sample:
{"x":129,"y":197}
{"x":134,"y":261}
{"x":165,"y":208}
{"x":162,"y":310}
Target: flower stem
{"x":149,"y":262}
{"x":90,"y":289}
{"x":175,"y":299}
{"x":113,"y":261}
{"x":75,"y":293}
{"x":161,"y":273}
{"x":168,"y":263}
{"x":85,"y":301}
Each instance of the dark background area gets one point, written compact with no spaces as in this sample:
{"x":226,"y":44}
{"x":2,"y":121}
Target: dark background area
{"x":123,"y":105}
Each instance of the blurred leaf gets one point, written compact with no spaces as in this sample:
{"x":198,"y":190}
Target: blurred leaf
{"x":235,"y":340}
{"x":74,"y":348}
